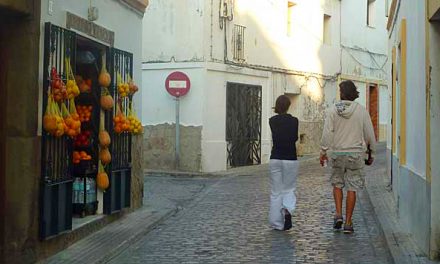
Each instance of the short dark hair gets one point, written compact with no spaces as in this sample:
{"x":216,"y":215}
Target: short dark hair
{"x":348,"y":90}
{"x":282,"y":104}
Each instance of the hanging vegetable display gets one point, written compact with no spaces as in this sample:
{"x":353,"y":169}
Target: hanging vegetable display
{"x":133,"y":88}
{"x":104,"y":137}
{"x":123,"y":88}
{"x":78,"y":156}
{"x":105,"y":156}
{"x":104,"y":78}
{"x":53,"y":122}
{"x":106,"y":99}
{"x":83,"y":139}
{"x":135,"y":123}
{"x":73,"y":127}
{"x":84,"y":112}
{"x":120,"y":122}
{"x":102,"y":180}
{"x":58,"y":88}
{"x":85,"y":86}
{"x":71,"y":85}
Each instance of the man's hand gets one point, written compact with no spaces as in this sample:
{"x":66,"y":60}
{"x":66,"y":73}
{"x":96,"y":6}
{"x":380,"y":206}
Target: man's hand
{"x":323,"y":159}
{"x":369,"y":161}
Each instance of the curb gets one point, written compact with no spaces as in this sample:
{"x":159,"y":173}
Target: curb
{"x":136,"y":237}
{"x":183,"y":174}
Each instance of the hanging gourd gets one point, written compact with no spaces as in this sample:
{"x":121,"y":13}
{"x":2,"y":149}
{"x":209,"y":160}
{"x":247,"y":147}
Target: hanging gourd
{"x":104,"y":137}
{"x":105,"y":156}
{"x":106,"y":99}
{"x":104,"y":78}
{"x":102,"y":180}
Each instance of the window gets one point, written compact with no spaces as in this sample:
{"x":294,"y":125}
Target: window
{"x":370,"y":12}
{"x":326,"y":36}
{"x":238,"y":40}
{"x":290,"y":6}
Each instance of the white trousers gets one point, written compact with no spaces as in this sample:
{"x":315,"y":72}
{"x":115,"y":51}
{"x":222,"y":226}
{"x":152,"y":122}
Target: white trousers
{"x":283,"y":175}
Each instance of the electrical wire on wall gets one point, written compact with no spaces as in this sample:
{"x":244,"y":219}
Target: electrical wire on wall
{"x":372,"y":56}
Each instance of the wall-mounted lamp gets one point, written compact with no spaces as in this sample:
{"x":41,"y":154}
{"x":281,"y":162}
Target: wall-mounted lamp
{"x":93,"y":12}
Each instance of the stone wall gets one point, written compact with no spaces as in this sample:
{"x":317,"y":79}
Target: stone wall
{"x":20,"y":146}
{"x":159,"y":144}
{"x":309,"y":137}
{"x":137,"y":172}
{"x":19,"y":6}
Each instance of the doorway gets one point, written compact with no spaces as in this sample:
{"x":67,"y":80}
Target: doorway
{"x":2,"y":140}
{"x":243,"y":124}
{"x":71,"y":162}
{"x":373,"y":107}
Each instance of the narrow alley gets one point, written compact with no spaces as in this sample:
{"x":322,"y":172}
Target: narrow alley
{"x":155,"y":131}
{"x":223,"y":219}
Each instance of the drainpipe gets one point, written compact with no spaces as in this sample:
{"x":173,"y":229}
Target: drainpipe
{"x":212,"y":26}
{"x":340,"y":39}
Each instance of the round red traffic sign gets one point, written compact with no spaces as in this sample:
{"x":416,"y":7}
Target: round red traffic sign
{"x":177,"y":84}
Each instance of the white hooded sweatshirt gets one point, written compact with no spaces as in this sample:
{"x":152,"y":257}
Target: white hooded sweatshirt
{"x":348,"y":128}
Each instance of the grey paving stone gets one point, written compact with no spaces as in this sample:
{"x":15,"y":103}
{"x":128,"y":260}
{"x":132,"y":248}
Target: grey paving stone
{"x":227,"y":223}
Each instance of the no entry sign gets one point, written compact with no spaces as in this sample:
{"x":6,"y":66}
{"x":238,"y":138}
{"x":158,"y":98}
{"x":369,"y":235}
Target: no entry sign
{"x":177,"y":84}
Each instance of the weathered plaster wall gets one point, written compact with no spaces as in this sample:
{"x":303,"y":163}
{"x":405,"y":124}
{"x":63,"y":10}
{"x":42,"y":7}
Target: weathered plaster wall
{"x":310,"y":134}
{"x":159,"y":150}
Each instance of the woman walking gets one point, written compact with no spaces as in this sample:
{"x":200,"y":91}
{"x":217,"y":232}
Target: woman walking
{"x":283,"y":165}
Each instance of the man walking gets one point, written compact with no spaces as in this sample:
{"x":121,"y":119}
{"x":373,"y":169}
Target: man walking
{"x":348,"y":133}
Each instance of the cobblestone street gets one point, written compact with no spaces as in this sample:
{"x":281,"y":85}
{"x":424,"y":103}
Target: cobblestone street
{"x":227,"y":223}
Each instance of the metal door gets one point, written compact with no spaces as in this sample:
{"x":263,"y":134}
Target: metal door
{"x":243,"y":124}
{"x":117,"y":196}
{"x":56,"y":161}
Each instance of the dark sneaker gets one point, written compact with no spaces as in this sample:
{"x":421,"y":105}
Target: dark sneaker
{"x":348,"y":228}
{"x":337,"y":223}
{"x":287,"y":220}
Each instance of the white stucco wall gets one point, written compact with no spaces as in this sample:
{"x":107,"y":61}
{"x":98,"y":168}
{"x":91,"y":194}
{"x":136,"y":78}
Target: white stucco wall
{"x":267,"y":42}
{"x":415,"y":90}
{"x":416,"y":194}
{"x":358,"y":37}
{"x":214,"y":154}
{"x":435,"y":139}
{"x":114,"y":16}
{"x":384,"y":102}
{"x":190,"y":34}
{"x":174,"y":29}
{"x":159,"y":106}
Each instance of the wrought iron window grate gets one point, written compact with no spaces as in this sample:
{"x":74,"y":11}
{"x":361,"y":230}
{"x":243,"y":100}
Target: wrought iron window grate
{"x":238,"y":41}
{"x":243,"y":124}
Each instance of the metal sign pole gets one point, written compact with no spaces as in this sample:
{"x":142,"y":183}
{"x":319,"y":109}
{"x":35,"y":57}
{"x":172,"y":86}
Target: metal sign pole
{"x":177,"y":148}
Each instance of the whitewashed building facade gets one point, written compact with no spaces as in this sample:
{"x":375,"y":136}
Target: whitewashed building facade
{"x":240,"y":56}
{"x":413,"y":141}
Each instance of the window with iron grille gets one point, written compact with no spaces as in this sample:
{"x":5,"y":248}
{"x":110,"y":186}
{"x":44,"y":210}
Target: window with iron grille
{"x":238,"y":41}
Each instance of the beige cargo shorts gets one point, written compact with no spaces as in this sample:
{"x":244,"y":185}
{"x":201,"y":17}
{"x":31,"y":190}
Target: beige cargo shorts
{"x":347,"y":171}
